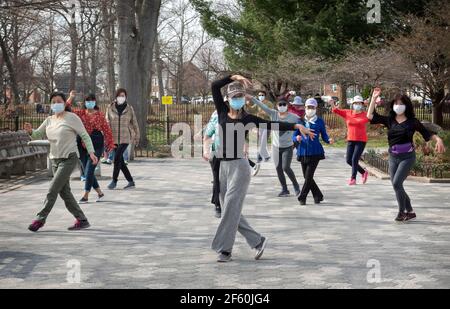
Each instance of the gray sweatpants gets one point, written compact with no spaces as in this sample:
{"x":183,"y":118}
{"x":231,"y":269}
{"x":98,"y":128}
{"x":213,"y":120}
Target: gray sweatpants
{"x":234,"y":181}
{"x":399,"y":168}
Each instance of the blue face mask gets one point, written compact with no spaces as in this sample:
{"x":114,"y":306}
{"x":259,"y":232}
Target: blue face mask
{"x":90,"y":104}
{"x":58,"y":107}
{"x":237,"y":103}
{"x":357,"y":107}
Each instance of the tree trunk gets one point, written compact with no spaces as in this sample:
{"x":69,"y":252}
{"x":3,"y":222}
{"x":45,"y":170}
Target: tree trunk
{"x":438,"y":105}
{"x":94,"y":63}
{"x":74,"y":48}
{"x":137,"y":33}
{"x":109,"y":34}
{"x":343,"y":95}
{"x":12,"y":74}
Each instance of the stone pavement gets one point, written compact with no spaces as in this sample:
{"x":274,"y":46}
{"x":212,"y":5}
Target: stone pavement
{"x":159,"y":235}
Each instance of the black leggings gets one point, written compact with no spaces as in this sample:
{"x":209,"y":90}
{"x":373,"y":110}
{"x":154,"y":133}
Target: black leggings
{"x":119,"y":163}
{"x":354,"y":152}
{"x":215,"y":167}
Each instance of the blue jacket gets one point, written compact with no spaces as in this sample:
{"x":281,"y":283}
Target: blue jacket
{"x":308,"y":147}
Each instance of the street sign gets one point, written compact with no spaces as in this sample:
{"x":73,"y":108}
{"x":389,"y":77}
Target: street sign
{"x":167,"y":100}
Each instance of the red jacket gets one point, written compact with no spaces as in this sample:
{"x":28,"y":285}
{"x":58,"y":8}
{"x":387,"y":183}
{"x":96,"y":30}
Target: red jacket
{"x":356,"y":124}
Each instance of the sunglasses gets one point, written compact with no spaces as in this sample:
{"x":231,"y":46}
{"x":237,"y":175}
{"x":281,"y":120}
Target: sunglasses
{"x":282,"y":104}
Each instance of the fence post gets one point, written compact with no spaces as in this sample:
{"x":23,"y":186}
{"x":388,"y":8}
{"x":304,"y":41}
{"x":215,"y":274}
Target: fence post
{"x":16,"y":123}
{"x":167,"y":124}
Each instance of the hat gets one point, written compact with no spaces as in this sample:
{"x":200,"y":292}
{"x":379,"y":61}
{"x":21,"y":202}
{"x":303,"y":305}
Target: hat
{"x":235,"y":89}
{"x":298,"y":101}
{"x":311,"y":102}
{"x":358,"y":98}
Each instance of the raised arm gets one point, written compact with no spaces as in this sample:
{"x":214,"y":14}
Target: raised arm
{"x":376,"y":94}
{"x":216,"y":87}
{"x":269,"y":111}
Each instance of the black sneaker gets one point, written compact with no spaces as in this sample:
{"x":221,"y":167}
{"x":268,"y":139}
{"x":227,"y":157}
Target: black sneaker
{"x":318,"y":200}
{"x":218,"y":212}
{"x":36,"y":225}
{"x":302,"y":202}
{"x":260,"y":248}
{"x":224,"y":257}
{"x":400,"y":217}
{"x":284,"y":193}
{"x":410,"y":216}
{"x":79,"y":225}
{"x":83,"y":200}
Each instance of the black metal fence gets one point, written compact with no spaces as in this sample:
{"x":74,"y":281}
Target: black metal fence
{"x":162,"y":118}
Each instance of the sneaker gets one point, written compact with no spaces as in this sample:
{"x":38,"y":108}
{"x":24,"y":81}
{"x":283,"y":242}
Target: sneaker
{"x":259,"y":159}
{"x":130,"y":185}
{"x":83,"y":200}
{"x":218,"y":211}
{"x":79,"y":225}
{"x":297,"y":192}
{"x":318,"y":200}
{"x":112,"y":185}
{"x":400,"y":217}
{"x":103,"y":160}
{"x":126,"y":162}
{"x":410,"y":216}
{"x":224,"y":257}
{"x":302,"y":202}
{"x":100,"y":197}
{"x":267,"y":159}
{"x":260,"y":248}
{"x":352,"y":182}
{"x":284,"y":193}
{"x":36,"y":225}
{"x":256,"y":169}
{"x":365,"y":176}
{"x":107,"y":161}
{"x":82,"y":178}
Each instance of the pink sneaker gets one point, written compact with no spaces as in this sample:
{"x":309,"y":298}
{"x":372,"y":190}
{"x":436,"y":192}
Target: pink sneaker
{"x":365,"y":176}
{"x":352,"y":182}
{"x":36,"y":225}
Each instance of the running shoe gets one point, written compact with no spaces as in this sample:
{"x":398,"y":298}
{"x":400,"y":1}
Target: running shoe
{"x":218,"y":212}
{"x":112,"y":185}
{"x":83,"y":200}
{"x":79,"y":225}
{"x":36,"y":225}
{"x":256,"y":169}
{"x":224,"y":257}
{"x":130,"y":185}
{"x":352,"y":182}
{"x":410,"y":216}
{"x":401,"y":217}
{"x":100,"y":197}
{"x":284,"y":193}
{"x":260,"y":248}
{"x":365,"y":176}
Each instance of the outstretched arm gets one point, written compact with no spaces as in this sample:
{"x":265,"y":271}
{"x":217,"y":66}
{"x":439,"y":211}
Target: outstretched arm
{"x":271,"y":112}
{"x":376,"y":93}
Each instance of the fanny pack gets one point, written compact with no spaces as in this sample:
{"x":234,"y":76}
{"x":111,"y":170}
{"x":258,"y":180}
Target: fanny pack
{"x":401,"y":148}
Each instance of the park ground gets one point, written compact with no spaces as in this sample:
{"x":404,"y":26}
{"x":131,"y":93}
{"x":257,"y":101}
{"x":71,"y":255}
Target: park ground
{"x":159,"y":235}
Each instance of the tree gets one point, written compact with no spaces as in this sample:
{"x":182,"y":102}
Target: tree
{"x":425,"y":44}
{"x":137,"y":22}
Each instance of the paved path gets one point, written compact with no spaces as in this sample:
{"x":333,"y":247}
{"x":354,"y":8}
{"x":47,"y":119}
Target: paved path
{"x":158,"y":236}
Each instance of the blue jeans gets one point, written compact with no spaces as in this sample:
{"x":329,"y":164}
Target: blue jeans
{"x":88,"y":167}
{"x":125,"y":154}
{"x":354,"y":152}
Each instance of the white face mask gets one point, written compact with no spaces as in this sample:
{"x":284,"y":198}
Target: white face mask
{"x":310,"y":113}
{"x":399,"y":109}
{"x":282,"y":109}
{"x":261,"y":98}
{"x":121,"y":100}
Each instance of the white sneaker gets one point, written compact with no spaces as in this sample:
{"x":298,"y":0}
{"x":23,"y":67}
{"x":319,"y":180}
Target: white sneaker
{"x":100,"y":198}
{"x":260,"y":249}
{"x":256,"y":169}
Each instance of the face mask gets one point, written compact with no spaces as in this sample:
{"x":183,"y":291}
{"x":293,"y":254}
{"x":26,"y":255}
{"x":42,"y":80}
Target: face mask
{"x":399,"y":109}
{"x":301,"y":112}
{"x":58,"y":107}
{"x":310,"y":113}
{"x":357,"y":107}
{"x":90,"y":104}
{"x":237,"y":103}
{"x":121,"y":100}
{"x":261,"y":98}
{"x":282,"y":109}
